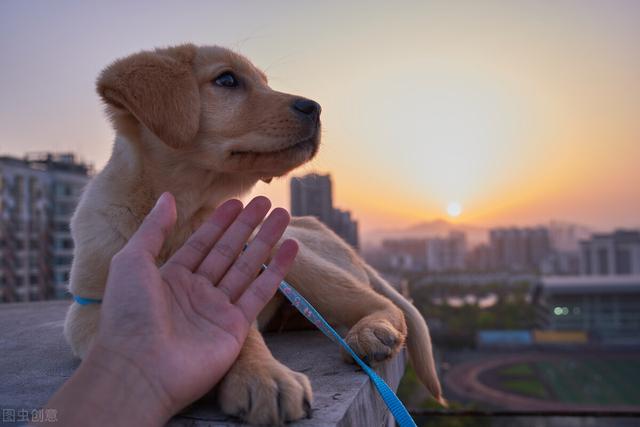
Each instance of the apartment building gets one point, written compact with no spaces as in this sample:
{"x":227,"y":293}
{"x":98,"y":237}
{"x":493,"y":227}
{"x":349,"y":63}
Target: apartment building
{"x":433,"y":254}
{"x":616,"y":253}
{"x":38,"y":194}
{"x":519,"y":249}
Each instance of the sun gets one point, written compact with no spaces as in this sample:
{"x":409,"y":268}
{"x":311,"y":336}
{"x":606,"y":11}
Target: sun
{"x":454,"y":209}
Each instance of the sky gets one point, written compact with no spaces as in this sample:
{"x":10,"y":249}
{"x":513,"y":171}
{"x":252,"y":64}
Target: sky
{"x":510,"y":113}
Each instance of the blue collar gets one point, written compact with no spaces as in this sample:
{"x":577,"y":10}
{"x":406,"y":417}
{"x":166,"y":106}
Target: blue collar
{"x":86,"y":301}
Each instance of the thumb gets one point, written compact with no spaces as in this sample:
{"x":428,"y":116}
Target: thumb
{"x":155,"y":228}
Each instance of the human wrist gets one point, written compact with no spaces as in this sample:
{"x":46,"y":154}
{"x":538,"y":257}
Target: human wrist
{"x":120,"y":391}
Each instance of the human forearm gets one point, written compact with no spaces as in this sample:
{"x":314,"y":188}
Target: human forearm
{"x":109,"y":390}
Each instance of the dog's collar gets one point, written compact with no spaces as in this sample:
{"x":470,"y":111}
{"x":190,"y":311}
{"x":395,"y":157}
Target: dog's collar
{"x":86,"y":301}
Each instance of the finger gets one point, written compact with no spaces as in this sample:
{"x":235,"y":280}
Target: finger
{"x":226,"y":249}
{"x":155,"y":228}
{"x":246,"y":267}
{"x":196,"y":248}
{"x":261,"y":290}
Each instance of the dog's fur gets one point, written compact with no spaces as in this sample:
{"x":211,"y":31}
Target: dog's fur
{"x":177,"y":131}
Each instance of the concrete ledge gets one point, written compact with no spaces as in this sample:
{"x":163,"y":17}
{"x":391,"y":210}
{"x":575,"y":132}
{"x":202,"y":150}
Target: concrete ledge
{"x":36,"y":361}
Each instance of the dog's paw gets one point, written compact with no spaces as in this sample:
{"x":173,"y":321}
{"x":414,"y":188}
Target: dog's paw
{"x":265,"y":394}
{"x":374,"y":339}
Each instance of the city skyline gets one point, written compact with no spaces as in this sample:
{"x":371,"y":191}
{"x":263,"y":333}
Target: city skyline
{"x":520,"y":114}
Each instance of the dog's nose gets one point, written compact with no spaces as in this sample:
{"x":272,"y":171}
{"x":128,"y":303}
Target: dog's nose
{"x":306,"y":107}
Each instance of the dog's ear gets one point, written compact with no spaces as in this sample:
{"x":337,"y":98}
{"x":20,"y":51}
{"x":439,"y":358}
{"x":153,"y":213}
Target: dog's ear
{"x":159,"y":89}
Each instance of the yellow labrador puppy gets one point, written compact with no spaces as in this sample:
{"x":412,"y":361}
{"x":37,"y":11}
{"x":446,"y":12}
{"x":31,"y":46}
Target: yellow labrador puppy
{"x":202,"y":123}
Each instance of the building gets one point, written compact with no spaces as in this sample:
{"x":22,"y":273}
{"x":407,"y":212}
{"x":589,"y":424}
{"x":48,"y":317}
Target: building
{"x":479,"y":258}
{"x":345,"y":226}
{"x":447,"y":253}
{"x":312,"y":195}
{"x":561,"y":263}
{"x":519,"y":249}
{"x":405,"y":254}
{"x":611,"y":254}
{"x":566,"y":236}
{"x":606,"y":307}
{"x":542,"y":250}
{"x":38,"y":195}
{"x":434,"y":254}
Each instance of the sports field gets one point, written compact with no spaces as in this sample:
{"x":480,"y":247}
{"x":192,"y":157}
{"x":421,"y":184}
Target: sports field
{"x":573,"y":380}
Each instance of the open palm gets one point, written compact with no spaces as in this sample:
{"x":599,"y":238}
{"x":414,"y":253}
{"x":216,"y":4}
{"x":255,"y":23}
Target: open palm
{"x":182,"y":324}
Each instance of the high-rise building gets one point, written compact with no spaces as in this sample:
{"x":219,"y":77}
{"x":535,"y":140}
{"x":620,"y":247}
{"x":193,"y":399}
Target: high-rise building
{"x":345,"y":226}
{"x":38,"y":195}
{"x":435,"y":254}
{"x":611,"y":254}
{"x":479,"y":258}
{"x":519,"y":249}
{"x":312,"y":195}
{"x":405,"y":254}
{"x":447,"y":253}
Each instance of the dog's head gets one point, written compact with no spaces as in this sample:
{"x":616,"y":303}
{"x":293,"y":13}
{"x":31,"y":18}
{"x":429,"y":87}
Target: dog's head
{"x":213,"y":107}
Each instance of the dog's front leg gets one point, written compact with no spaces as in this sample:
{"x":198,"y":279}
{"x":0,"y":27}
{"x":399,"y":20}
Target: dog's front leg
{"x":81,"y":326}
{"x":332,"y":277}
{"x":261,"y":390}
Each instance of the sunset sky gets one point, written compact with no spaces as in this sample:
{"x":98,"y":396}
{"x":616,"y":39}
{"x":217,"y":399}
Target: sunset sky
{"x":519,"y":112}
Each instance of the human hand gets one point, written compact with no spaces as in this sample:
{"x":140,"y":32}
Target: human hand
{"x":177,"y":329}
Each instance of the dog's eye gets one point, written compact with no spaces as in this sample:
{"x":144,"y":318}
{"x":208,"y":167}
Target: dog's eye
{"x":226,"y":79}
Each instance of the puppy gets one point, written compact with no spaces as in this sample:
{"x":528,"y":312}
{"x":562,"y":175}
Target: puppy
{"x":202,"y":123}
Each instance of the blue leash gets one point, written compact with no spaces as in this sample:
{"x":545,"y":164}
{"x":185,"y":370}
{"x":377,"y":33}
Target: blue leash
{"x":398,"y":410}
